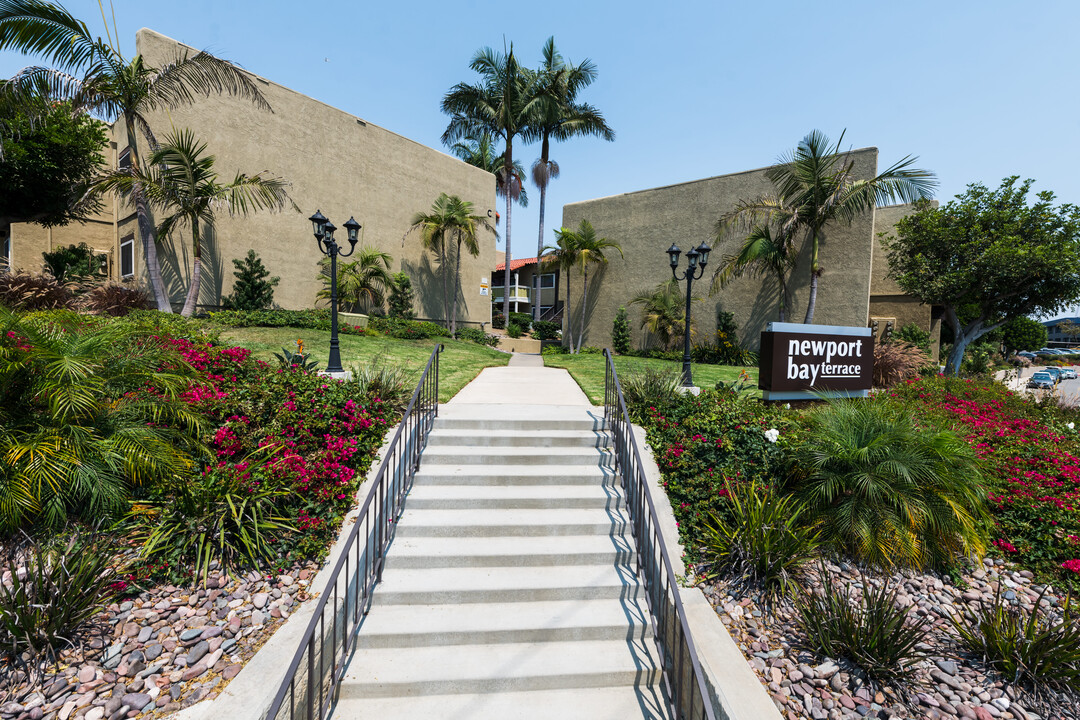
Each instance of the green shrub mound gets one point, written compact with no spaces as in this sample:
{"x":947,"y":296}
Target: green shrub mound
{"x":546,"y":330}
{"x":407,"y":329}
{"x":477,"y":336}
{"x":514,"y":330}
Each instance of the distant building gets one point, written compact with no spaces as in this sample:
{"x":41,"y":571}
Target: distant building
{"x":1056,"y":331}
{"x":524,"y":273}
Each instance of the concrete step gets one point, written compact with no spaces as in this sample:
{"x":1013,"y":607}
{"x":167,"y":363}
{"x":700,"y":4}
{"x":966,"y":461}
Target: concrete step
{"x":518,"y":438}
{"x":429,"y":474}
{"x":486,"y":497}
{"x":510,"y":523}
{"x":404,"y":672}
{"x":440,"y":586}
{"x":554,"y":550}
{"x":492,"y":623}
{"x":446,"y":455}
{"x":616,"y":703}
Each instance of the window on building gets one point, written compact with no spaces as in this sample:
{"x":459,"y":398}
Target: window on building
{"x":547,"y":280}
{"x":125,"y":159}
{"x":127,"y":257}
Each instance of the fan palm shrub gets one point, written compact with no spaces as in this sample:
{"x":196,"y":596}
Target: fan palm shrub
{"x":363,"y":283}
{"x":663,"y":314}
{"x":886,"y":491}
{"x":89,"y":411}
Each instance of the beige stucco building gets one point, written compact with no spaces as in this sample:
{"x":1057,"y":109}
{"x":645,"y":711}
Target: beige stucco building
{"x":335,"y":162}
{"x":853,"y":289}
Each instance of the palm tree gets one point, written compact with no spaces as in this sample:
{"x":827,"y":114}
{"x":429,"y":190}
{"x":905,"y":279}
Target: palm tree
{"x":362,"y":283}
{"x":479,"y":151}
{"x":450,"y":218}
{"x":590,"y":251}
{"x":764,"y":251}
{"x":181,"y":181}
{"x":564,"y":255}
{"x":819,"y":186}
{"x":663,"y":313}
{"x":561,"y":117}
{"x":112,"y":87}
{"x":504,"y":103}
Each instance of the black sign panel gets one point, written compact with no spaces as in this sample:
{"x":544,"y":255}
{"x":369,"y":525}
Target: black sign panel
{"x":795,"y":361}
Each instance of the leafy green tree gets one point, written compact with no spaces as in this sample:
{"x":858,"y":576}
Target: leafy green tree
{"x":400,"y":303}
{"x":48,"y":157}
{"x":990,"y":256}
{"x":590,"y":252}
{"x":251,"y":289}
{"x":362,"y":284}
{"x":561,"y":117}
{"x":479,"y":151}
{"x":815,"y":185}
{"x":504,"y":103}
{"x":564,"y":255}
{"x":663,"y":313}
{"x":1023,"y":333}
{"x":112,"y":87}
{"x":620,"y":333}
{"x":181,"y":181}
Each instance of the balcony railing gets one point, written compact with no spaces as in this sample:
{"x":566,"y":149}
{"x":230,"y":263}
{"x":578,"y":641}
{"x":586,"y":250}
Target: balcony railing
{"x":518,"y":293}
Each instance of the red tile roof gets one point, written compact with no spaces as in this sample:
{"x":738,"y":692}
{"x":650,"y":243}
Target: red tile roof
{"x":516,"y":264}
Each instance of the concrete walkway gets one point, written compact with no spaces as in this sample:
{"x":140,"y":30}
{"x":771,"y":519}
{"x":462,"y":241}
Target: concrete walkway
{"x":509,"y":590}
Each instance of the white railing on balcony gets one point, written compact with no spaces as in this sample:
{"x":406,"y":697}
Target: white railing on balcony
{"x":519,"y":293}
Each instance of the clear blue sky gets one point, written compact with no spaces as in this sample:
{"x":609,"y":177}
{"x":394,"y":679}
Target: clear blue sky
{"x":977,"y":89}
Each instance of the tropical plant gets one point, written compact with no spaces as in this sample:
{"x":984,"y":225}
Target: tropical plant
{"x":887,"y":491}
{"x":54,"y":591}
{"x":363,"y":283}
{"x":115,"y":300}
{"x":504,"y":103}
{"x":78,"y":425}
{"x":113,"y":87}
{"x":181,"y":181}
{"x":400,"y":302}
{"x":479,"y":151}
{"x":564,"y":255}
{"x":816,"y":184}
{"x":663,"y":313}
{"x":590,"y":252}
{"x":763,"y":252}
{"x":71,"y":263}
{"x":514,"y":330}
{"x":1035,"y":648}
{"x":251,"y":289}
{"x":650,"y":386}
{"x":451,"y":218}
{"x":299,"y":359}
{"x":385,"y":381}
{"x":764,"y":541}
{"x":561,"y":117}
{"x":620,"y":332}
{"x":874,"y":633}
{"x":22,"y":291}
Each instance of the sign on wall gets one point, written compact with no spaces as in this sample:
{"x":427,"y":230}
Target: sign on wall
{"x":801,"y":362}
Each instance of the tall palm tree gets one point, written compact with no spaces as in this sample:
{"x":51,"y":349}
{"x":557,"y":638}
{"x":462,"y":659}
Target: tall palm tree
{"x":451,"y":219}
{"x":561,"y":117}
{"x":766,"y":250}
{"x":819,"y":185}
{"x":479,"y":151}
{"x":113,"y":87}
{"x":564,"y":255}
{"x":590,"y":251}
{"x":181,"y":181}
{"x":504,"y":103}
{"x":362,"y":283}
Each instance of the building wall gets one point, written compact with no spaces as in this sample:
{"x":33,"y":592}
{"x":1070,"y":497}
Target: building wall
{"x":645,"y":223}
{"x":334,"y":162}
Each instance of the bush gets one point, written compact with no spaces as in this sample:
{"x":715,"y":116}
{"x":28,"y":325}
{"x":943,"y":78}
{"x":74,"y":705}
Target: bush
{"x":174,"y":325}
{"x":400,"y":301}
{"x":546,"y":330}
{"x":522,"y":319}
{"x":116,"y":300}
{"x":554,"y":350}
{"x":388,"y":384}
{"x":315,"y":319}
{"x":74,"y":262}
{"x":514,"y":330}
{"x":407,"y":329}
{"x":251,"y":289}
{"x":1023,"y":333}
{"x":51,"y":595}
{"x":1037,"y":649}
{"x":895,"y":362}
{"x":725,"y":349}
{"x":763,"y":543}
{"x":887,"y":491}
{"x":498,"y":321}
{"x":299,"y":359}
{"x":977,"y":359}
{"x":874,"y":634}
{"x":650,"y":387}
{"x":23,"y":291}
{"x":913,"y":335}
{"x":620,"y":332}
{"x":477,"y":336}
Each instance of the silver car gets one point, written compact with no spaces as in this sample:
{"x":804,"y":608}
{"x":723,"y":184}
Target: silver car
{"x":1041,"y":380}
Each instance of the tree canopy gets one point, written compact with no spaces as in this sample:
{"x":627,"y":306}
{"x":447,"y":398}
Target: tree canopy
{"x":990,"y":253}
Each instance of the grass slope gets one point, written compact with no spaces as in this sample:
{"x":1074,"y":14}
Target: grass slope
{"x":459,"y":364}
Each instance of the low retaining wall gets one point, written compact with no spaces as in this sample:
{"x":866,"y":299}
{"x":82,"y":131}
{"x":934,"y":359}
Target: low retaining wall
{"x":521,"y":345}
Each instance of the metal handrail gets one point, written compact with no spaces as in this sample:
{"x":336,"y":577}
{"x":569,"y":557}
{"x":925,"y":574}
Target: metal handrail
{"x":683,"y":678}
{"x":314,"y":676}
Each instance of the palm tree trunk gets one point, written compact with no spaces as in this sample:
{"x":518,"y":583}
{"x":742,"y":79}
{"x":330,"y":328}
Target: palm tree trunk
{"x":568,"y":314}
{"x":584,"y":299}
{"x":457,"y":287}
{"x":146,"y":228}
{"x":196,"y":272}
{"x":783,"y":298}
{"x":508,"y":168}
{"x":544,"y":151}
{"x":445,"y":292}
{"x":815,"y":273}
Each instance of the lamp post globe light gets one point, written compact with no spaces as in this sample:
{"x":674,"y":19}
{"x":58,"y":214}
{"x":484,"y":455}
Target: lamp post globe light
{"x":324,"y":238}
{"x":696,"y":260}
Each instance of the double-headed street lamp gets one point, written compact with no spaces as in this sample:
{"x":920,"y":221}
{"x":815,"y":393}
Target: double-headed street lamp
{"x":324,"y":237}
{"x":697,"y":259}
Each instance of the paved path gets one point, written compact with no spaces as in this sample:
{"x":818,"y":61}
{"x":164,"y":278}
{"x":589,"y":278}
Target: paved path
{"x":510,"y":589}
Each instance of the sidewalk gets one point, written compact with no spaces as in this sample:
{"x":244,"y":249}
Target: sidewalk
{"x":525,"y":381}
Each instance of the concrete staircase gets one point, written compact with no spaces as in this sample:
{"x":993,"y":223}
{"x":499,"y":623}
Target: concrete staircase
{"x":509,"y":589}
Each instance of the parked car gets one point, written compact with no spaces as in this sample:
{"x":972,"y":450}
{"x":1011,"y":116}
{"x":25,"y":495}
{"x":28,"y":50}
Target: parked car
{"x":1041,"y":380}
{"x":1068,"y":374}
{"x":1028,"y":355}
{"x":1054,"y":372}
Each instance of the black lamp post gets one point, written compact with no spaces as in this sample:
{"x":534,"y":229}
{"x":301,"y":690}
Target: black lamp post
{"x":697,"y":259}
{"x":324,"y":238}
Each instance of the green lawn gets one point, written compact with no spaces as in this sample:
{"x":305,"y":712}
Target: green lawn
{"x":588,"y":371}
{"x":459,"y":363}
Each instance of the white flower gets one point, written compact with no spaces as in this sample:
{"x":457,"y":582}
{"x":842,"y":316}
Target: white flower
{"x":1071,"y":426}
{"x":772,"y":434}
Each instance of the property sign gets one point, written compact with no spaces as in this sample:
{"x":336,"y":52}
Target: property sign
{"x":483,"y":286}
{"x":804,"y":361}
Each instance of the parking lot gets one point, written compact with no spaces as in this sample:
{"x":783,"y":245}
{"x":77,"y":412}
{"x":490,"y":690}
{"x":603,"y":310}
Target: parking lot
{"x":1065,"y":389}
